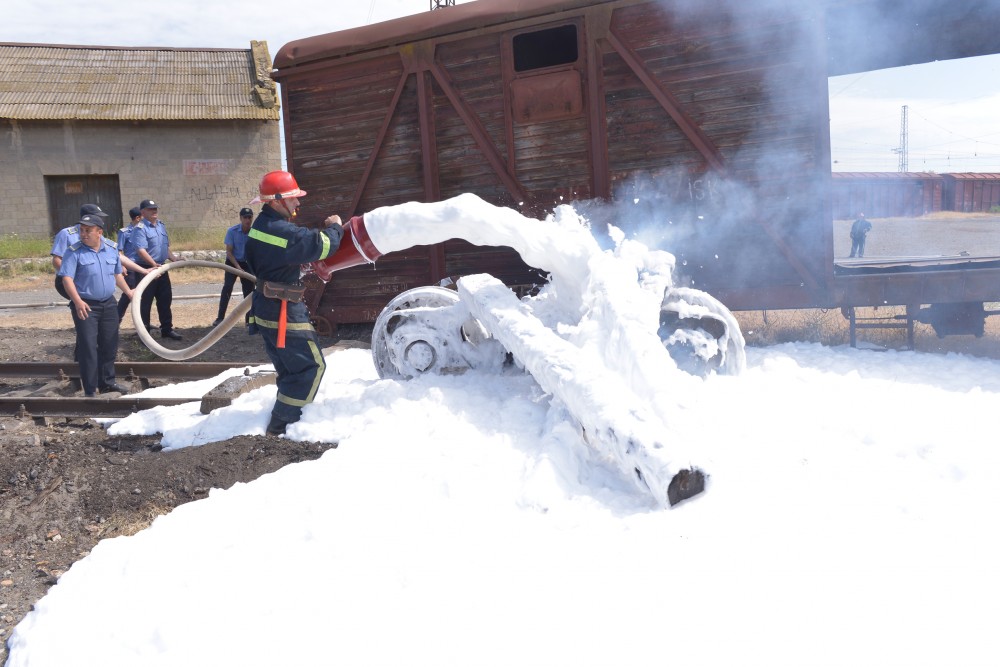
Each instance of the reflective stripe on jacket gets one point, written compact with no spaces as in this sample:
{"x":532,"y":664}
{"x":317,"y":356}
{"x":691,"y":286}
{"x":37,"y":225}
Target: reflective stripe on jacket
{"x":276,"y":249}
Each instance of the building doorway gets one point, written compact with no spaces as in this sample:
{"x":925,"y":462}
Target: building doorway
{"x":68,"y":193}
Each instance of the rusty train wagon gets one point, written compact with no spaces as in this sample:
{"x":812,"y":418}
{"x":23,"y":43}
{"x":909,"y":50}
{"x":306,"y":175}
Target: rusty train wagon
{"x":700,"y":127}
{"x":886,"y":194}
{"x":972,"y":192}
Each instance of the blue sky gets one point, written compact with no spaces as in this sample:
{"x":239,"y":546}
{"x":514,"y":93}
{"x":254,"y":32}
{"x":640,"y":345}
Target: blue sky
{"x":951,"y":105}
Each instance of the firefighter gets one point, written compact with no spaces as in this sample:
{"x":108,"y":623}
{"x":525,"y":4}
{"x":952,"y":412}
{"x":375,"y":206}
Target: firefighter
{"x":275,"y":250}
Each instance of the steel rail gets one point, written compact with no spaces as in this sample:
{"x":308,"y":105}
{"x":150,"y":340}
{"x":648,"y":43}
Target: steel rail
{"x":72,"y":407}
{"x":191,"y":370}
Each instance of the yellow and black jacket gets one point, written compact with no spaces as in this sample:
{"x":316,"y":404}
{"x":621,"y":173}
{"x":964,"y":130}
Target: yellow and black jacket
{"x":276,"y":249}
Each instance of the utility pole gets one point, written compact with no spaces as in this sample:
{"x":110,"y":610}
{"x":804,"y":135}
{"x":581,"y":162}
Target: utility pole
{"x":904,"y":142}
{"x":438,"y":4}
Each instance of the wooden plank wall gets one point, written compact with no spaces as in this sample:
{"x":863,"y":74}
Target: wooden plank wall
{"x":475,"y":68}
{"x":333,"y":117}
{"x":743,"y":80}
{"x":748,"y":210}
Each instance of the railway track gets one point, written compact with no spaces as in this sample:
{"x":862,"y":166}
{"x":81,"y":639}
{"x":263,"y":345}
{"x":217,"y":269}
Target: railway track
{"x":44,"y":390}
{"x":131,"y":370}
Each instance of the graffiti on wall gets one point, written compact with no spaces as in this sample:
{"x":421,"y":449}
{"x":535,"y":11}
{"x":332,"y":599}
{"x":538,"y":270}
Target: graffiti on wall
{"x":206,"y":167}
{"x":220,"y":201}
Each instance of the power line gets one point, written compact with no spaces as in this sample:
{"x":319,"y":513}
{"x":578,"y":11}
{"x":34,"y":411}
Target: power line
{"x":841,"y":91}
{"x":942,"y":127}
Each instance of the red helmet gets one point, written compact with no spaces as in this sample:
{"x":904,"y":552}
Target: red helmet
{"x":278,"y":185}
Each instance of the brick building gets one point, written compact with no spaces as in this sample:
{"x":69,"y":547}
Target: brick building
{"x":193,"y":129}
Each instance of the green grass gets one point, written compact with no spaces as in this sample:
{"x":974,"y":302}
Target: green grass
{"x":13,"y":246}
{"x":15,"y":270}
{"x":196,"y":239}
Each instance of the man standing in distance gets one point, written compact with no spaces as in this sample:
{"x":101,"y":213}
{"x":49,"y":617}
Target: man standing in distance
{"x":236,"y":251}
{"x":153,"y":249}
{"x":859,"y":234}
{"x":275,"y":250}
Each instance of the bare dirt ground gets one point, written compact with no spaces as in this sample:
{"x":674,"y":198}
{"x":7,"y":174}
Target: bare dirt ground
{"x":939,"y":233}
{"x":65,"y":485}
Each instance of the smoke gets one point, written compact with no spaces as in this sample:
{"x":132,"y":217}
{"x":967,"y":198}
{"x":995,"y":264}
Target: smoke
{"x":722,"y":231}
{"x":752,"y":77}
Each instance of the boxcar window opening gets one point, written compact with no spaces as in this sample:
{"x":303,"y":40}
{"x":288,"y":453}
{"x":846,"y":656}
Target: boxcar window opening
{"x":545,"y":48}
{"x":914,"y":191}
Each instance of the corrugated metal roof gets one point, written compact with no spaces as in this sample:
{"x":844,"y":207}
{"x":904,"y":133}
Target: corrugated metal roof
{"x":50,"y":82}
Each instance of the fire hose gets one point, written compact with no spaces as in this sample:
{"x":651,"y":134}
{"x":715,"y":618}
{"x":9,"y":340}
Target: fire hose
{"x":213,"y":336}
{"x":355,"y":248}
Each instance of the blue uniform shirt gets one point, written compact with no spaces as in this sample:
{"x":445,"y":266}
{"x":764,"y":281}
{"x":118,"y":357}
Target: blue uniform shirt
{"x":65,"y":237}
{"x":123,"y":238}
{"x":236,"y":237}
{"x":126,"y":240}
{"x":154,"y":240}
{"x":93,"y":271}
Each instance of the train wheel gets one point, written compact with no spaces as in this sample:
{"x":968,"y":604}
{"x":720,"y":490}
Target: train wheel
{"x":700,"y":333}
{"x":429,"y":330}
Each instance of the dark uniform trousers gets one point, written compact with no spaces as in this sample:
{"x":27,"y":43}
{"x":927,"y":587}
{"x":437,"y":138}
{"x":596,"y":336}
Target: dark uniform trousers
{"x":160,"y":290}
{"x":299,"y":365}
{"x":132,"y":279}
{"x":227,"y":287}
{"x":97,"y":343}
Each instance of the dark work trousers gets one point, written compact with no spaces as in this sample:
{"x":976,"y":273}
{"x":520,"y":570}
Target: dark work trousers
{"x":97,"y":343}
{"x":61,"y":288}
{"x":227,"y":287}
{"x":160,"y":290}
{"x":858,"y":247}
{"x":299,"y":367}
{"x":132,"y":279}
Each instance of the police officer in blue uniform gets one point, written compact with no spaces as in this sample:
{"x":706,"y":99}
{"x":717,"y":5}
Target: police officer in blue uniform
{"x":130,"y":257}
{"x":236,"y":253}
{"x":153,"y":248}
{"x":275,"y":250}
{"x":90,"y":270}
{"x":66,"y":237}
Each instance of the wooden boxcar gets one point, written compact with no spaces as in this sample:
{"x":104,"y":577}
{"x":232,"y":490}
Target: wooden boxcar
{"x":970,"y":193}
{"x":886,"y":194}
{"x":700,"y":126}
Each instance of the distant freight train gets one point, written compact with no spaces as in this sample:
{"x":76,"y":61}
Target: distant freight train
{"x":912,"y":194}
